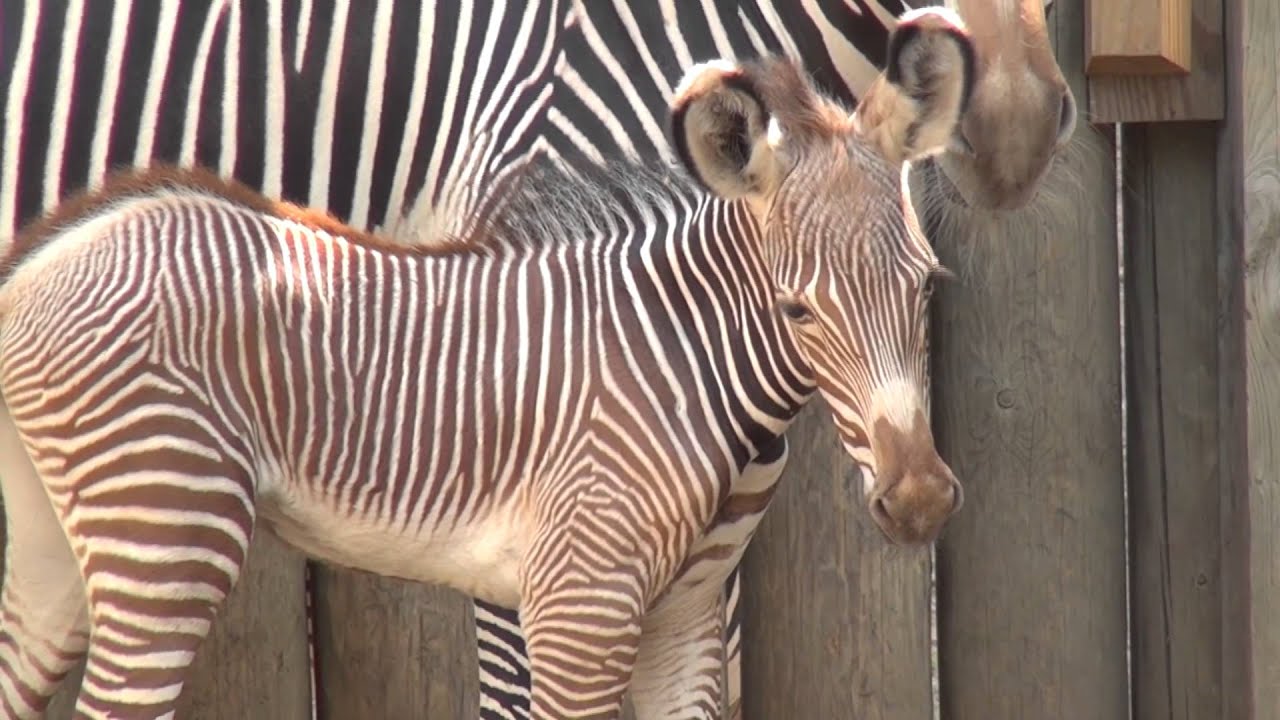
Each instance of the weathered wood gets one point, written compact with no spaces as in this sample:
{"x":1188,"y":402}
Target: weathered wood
{"x":1195,"y":96}
{"x":836,"y":621}
{"x":1138,"y":37}
{"x":255,"y":663}
{"x":1233,"y":390}
{"x":1255,"y":177}
{"x":1031,"y":572}
{"x":388,"y":648}
{"x":1174,"y":474}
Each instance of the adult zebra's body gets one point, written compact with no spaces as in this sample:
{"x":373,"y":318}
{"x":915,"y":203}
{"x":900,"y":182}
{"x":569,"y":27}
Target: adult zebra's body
{"x":182,"y":357}
{"x":95,"y":85}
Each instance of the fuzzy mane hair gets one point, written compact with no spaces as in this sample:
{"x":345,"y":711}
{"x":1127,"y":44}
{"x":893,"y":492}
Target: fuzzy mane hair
{"x":540,"y":202}
{"x":125,"y":185}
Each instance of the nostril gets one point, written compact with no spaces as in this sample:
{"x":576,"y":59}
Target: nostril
{"x":880,"y":509}
{"x":1066,"y":117}
{"x":957,"y":492}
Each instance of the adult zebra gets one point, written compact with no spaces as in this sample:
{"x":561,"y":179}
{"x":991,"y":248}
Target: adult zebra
{"x":261,"y":92}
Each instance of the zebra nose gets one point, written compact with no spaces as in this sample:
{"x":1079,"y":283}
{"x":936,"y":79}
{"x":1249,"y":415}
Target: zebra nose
{"x":914,"y":509}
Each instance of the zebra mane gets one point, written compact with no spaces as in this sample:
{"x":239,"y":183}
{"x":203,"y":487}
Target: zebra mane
{"x":549,"y":201}
{"x":123,"y":186}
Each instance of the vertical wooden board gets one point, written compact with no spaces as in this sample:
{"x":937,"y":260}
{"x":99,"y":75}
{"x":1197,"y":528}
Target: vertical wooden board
{"x":1260,"y":55}
{"x":1174,"y":473}
{"x":1031,"y":572}
{"x":389,"y":648}
{"x":255,"y":664}
{"x":835,"y":620}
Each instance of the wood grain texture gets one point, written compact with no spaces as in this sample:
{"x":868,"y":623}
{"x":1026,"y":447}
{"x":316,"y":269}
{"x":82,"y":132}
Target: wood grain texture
{"x":1195,"y":96}
{"x":1138,"y":37}
{"x":388,"y":648}
{"x":1259,"y":78}
{"x":1031,"y":572}
{"x":1175,"y":478}
{"x":836,"y":621}
{"x":1233,"y":390}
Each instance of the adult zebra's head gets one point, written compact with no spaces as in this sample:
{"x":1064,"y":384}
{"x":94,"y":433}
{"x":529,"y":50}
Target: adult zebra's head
{"x":851,"y":268}
{"x":1022,"y":115}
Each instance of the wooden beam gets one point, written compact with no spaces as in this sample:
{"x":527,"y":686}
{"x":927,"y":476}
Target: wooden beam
{"x":1251,"y":201}
{"x":1175,"y":470}
{"x":1138,"y":37}
{"x":1031,"y":572}
{"x":1198,"y":95}
{"x":389,"y":648}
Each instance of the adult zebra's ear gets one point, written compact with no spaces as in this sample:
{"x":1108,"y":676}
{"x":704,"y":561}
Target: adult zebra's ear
{"x":913,"y":109}
{"x":721,"y":130}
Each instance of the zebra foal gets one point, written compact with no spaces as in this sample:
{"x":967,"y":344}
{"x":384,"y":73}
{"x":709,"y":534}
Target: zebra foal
{"x":557,"y":417}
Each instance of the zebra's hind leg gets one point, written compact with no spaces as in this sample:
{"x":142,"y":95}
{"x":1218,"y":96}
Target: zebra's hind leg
{"x":504,"y":663}
{"x":43,"y":620}
{"x":678,"y":673}
{"x":159,"y":551}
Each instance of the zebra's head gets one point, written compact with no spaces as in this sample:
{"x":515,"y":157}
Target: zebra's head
{"x":1022,"y":115}
{"x":851,"y":268}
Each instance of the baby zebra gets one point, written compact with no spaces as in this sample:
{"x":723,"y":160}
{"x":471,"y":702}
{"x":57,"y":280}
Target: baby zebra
{"x":578,"y":413}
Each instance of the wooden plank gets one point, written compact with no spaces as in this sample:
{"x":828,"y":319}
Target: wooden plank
{"x":1255,"y":180}
{"x":255,"y":664}
{"x":1233,"y":390}
{"x":388,"y":648}
{"x":1138,"y":37}
{"x":1031,"y":573}
{"x":1196,"y":96}
{"x":835,"y":621}
{"x":1175,"y":479}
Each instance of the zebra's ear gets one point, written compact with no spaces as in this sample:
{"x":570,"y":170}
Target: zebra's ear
{"x":721,"y":131}
{"x":913,"y":109}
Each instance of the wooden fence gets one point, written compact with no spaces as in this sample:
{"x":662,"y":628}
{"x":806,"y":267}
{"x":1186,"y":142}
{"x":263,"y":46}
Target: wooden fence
{"x":1059,"y":595}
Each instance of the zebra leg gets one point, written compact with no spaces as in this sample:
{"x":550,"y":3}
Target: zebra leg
{"x":43,"y":623}
{"x":504,"y":663}
{"x":678,"y":672}
{"x":155,"y":587}
{"x":581,"y":605}
{"x":733,"y":644}
{"x":160,"y":536}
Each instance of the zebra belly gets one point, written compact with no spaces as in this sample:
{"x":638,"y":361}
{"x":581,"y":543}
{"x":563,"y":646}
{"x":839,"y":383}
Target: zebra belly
{"x":480,"y":557}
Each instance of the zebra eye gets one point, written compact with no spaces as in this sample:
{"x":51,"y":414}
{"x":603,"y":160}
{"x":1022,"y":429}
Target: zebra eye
{"x":794,"y":311}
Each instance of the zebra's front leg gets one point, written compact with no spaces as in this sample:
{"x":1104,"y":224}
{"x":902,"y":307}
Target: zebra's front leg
{"x":678,"y":674}
{"x":584,"y":586}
